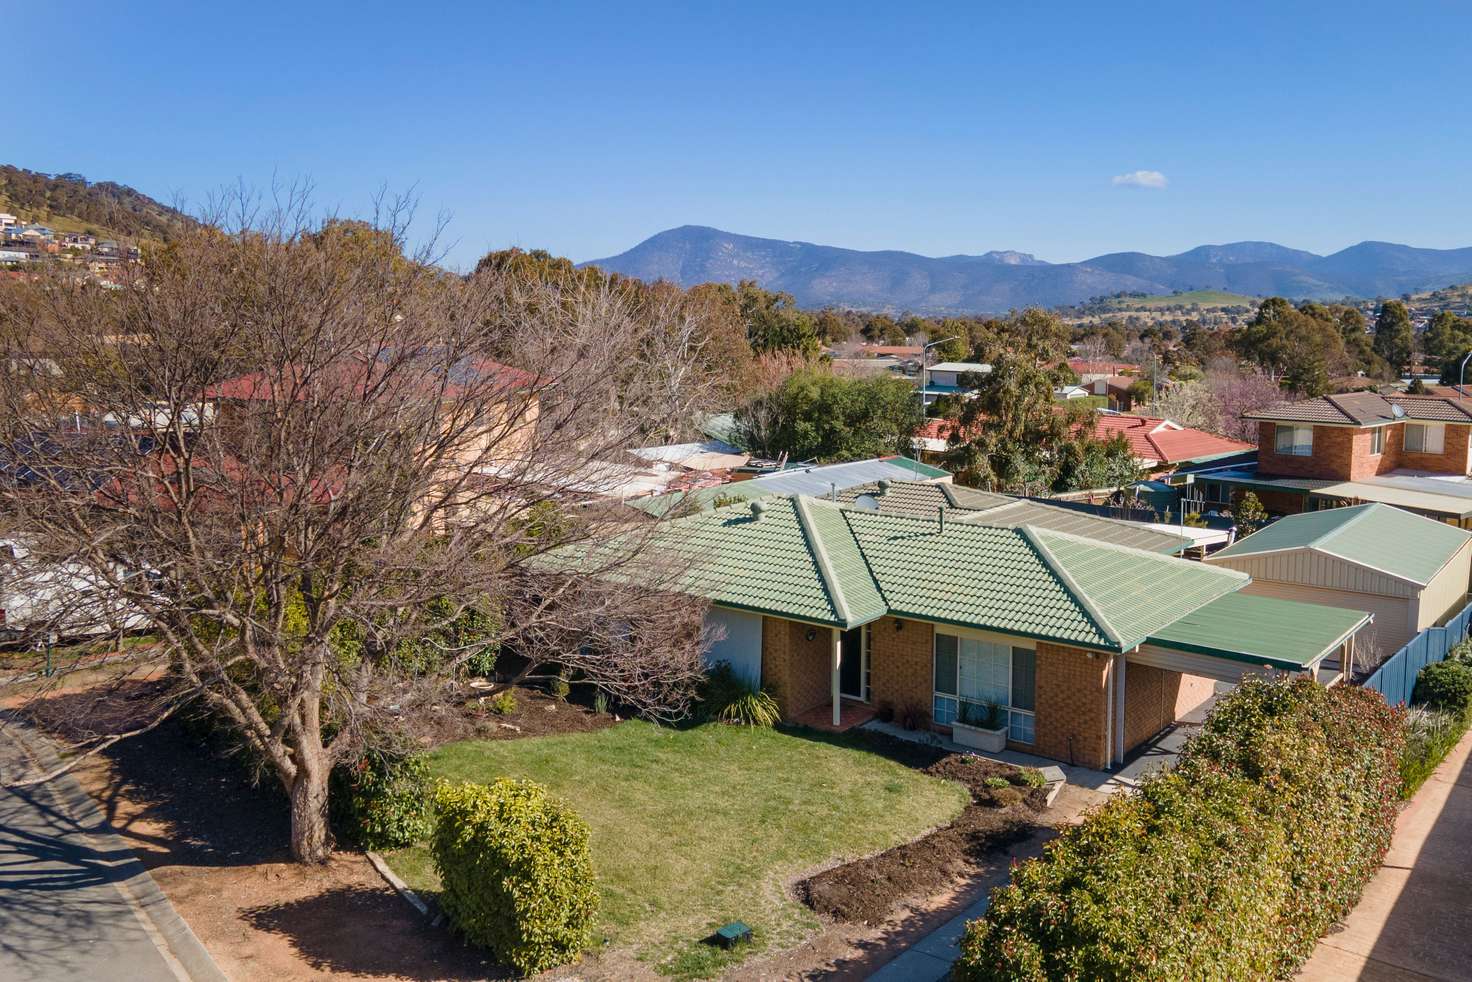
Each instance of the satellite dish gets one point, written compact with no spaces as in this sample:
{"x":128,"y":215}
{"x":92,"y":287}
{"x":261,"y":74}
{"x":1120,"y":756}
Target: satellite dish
{"x":1397,"y":410}
{"x":866,"y":502}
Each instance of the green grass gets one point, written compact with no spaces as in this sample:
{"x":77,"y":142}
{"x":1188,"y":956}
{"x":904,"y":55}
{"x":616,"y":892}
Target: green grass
{"x":692,"y":828}
{"x":1204,"y":298}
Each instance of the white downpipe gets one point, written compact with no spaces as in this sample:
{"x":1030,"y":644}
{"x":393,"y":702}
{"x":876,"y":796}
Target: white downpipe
{"x":1120,"y":682}
{"x":833,"y":682}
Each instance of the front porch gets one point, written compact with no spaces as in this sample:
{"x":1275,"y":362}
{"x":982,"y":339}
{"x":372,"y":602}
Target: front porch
{"x":851,"y":713}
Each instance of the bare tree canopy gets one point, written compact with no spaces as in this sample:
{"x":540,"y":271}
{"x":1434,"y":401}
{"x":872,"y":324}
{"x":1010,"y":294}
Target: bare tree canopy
{"x":321,"y":471}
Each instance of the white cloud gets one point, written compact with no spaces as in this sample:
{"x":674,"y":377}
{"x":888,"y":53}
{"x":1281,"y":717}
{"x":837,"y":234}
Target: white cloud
{"x":1141,"y":179}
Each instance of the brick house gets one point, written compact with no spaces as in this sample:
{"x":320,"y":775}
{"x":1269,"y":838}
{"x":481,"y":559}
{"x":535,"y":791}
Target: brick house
{"x":1402,"y":450}
{"x":1089,"y":648}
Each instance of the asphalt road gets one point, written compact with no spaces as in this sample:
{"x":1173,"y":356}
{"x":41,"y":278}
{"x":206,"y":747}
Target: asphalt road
{"x":74,"y":902}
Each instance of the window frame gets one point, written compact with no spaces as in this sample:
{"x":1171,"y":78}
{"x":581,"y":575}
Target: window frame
{"x":1294,"y":448}
{"x":1377,"y":441}
{"x":1425,"y":430}
{"x":1018,"y":720}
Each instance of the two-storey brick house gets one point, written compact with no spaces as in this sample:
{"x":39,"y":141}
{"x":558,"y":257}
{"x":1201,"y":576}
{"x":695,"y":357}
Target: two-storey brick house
{"x":1411,"y":451}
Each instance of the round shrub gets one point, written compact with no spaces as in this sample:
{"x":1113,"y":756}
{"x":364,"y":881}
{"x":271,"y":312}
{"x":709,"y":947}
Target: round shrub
{"x":515,"y":870}
{"x":382,"y":799}
{"x":1446,"y":686}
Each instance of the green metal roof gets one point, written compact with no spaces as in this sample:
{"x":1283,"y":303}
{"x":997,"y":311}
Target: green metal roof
{"x":1285,"y":634}
{"x":1005,"y":511}
{"x":1378,"y":536}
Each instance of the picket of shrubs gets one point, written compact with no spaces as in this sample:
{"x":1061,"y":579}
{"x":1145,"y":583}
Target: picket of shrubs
{"x":515,"y":870}
{"x":1230,"y":865}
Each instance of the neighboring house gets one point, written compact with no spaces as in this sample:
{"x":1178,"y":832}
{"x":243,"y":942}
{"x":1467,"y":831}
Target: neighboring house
{"x":1409,"y":571}
{"x":1159,"y":444}
{"x":963,"y":504}
{"x":1163,"y":444}
{"x":1117,"y":389}
{"x":1089,"y":371}
{"x":1090,"y":649}
{"x":949,"y":378}
{"x":1402,"y":450}
{"x":57,"y":601}
{"x":1067,"y":392}
{"x":817,"y":480}
{"x":705,"y":455}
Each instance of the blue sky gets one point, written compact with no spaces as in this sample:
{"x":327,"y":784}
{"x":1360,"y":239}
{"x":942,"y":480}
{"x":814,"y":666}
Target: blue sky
{"x":584,"y":128}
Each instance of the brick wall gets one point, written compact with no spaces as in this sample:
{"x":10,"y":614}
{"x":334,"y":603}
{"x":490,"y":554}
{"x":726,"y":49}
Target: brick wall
{"x":799,"y":669}
{"x":1154,"y":698}
{"x":901,"y":662}
{"x":1331,"y":459}
{"x":1071,"y":705}
{"x":1343,"y":453}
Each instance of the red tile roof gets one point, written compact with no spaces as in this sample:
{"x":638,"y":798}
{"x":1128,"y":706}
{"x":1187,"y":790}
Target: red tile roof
{"x":1152,"y":438}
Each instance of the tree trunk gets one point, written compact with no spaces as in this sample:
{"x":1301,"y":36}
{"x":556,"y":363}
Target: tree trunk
{"x":311,"y":837}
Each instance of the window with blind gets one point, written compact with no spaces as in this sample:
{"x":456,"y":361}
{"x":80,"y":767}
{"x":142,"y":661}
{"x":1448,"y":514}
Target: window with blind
{"x":977,"y":671}
{"x":1425,"y":438}
{"x":1297,"y":441}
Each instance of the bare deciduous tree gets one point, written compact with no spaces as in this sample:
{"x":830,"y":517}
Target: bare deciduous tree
{"x":325,"y":471}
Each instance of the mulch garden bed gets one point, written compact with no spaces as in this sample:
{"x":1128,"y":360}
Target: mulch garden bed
{"x":867,"y":890}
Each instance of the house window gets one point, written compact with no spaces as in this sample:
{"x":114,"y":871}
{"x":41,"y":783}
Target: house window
{"x":1377,"y":440}
{"x":976,"y":671}
{"x":1425,"y":438}
{"x":1297,"y":441}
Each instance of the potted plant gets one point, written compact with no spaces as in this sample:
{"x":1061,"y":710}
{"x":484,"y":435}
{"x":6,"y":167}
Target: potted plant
{"x":983,"y":727}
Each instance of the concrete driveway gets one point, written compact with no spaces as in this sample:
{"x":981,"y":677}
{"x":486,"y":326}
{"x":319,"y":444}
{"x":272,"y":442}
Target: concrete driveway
{"x":75,"y":904}
{"x":1415,"y":919}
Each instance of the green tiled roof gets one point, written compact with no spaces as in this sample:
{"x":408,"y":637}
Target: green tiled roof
{"x":1378,"y":536}
{"x":1262,"y":630}
{"x":818,"y":561}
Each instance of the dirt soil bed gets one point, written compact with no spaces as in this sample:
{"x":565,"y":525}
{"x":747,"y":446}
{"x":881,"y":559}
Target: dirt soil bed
{"x":216,"y":844}
{"x":868,"y":890}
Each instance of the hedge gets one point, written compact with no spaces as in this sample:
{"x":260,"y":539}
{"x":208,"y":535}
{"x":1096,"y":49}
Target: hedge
{"x":515,"y":871}
{"x":1230,"y":865}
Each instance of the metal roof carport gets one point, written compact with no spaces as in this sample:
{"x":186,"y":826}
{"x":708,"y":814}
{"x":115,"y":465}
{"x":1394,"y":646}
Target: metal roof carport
{"x":1241,"y":634}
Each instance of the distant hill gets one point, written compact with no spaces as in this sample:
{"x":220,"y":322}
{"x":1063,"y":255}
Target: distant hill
{"x":819,"y":275}
{"x":69,"y":203}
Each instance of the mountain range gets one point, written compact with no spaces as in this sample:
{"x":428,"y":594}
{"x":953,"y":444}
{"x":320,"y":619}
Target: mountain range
{"x":894,"y":281}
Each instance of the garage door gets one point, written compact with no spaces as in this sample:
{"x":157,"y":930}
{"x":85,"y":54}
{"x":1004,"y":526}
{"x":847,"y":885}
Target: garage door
{"x":741,"y":643}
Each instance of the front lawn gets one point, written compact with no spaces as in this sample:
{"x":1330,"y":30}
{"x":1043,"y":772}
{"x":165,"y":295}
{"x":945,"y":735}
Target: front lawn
{"x":693,"y":828}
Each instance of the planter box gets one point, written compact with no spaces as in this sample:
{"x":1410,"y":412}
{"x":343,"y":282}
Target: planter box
{"x":974,"y":736}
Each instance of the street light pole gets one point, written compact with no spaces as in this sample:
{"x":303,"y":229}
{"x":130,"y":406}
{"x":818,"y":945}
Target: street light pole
{"x":1462,"y":377}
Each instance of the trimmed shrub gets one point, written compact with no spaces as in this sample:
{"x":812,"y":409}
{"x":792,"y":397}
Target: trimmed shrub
{"x":914,"y":716}
{"x":1445,"y":686}
{"x":382,"y":800}
{"x":515,"y":870}
{"x":503,"y":703}
{"x":1229,"y":865}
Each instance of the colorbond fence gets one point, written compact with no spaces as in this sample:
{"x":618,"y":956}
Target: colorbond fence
{"x":1396,"y":676}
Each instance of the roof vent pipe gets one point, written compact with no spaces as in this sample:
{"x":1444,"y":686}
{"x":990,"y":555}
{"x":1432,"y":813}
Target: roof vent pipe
{"x":832,"y":491}
{"x":758,"y":509}
{"x":883,"y":486}
{"x":940,"y":512}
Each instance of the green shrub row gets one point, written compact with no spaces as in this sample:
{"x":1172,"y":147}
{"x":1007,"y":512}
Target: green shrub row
{"x":1230,"y":865}
{"x":515,"y":870}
